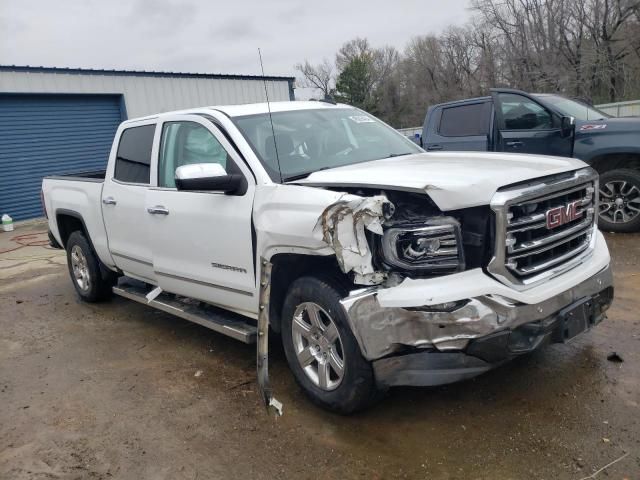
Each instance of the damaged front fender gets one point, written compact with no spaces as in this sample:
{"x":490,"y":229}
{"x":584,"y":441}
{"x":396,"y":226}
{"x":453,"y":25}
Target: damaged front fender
{"x":343,"y":226}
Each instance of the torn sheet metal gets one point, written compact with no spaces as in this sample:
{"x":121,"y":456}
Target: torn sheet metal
{"x":343,"y":225}
{"x":262,"y":349}
{"x":382,"y":331}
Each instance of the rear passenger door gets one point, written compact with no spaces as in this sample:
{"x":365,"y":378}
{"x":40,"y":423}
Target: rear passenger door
{"x":461,"y":127}
{"x":123,"y":201}
{"x":525,"y":126}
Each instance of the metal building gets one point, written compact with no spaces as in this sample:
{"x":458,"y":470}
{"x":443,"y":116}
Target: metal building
{"x":59,"y":120}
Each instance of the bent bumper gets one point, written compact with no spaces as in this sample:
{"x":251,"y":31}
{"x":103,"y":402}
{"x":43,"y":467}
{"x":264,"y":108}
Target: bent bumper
{"x":465,"y":335}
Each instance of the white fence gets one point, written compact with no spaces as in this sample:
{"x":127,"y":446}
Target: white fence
{"x":621,"y":109}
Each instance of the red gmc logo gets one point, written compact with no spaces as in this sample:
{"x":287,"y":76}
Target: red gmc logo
{"x":561,"y":215}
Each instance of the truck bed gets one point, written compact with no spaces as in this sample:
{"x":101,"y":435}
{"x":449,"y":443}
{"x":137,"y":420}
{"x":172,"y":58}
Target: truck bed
{"x":78,"y":195}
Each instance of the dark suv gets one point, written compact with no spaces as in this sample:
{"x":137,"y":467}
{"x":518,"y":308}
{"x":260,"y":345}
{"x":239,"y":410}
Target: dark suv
{"x":517,"y":122}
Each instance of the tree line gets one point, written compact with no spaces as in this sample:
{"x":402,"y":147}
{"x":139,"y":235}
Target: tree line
{"x":586,"y":49}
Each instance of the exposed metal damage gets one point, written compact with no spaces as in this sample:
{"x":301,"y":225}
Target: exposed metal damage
{"x":262,"y":350}
{"x":343,"y":225}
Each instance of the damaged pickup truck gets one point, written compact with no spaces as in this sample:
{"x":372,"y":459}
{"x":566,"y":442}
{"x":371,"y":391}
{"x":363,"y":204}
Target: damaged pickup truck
{"x":378,"y":264}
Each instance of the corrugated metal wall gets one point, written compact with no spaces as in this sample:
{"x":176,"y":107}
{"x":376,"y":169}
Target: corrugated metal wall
{"x":146,"y":94}
{"x":50,"y":135}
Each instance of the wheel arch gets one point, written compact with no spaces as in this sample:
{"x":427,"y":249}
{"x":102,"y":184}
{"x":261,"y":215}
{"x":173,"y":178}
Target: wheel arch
{"x":69,"y":221}
{"x":288,"y":267}
{"x":614,"y":161}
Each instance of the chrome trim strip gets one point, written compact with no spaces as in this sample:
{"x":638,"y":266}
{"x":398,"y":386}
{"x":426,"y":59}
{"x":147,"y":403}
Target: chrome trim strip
{"x":206,"y":284}
{"x":508,"y":197}
{"x":133,"y":259}
{"x":556,"y":237}
{"x":130,"y":184}
{"x":555,"y":261}
{"x":554,"y":194}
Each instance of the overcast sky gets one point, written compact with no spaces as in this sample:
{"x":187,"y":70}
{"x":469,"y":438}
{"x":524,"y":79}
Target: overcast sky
{"x":207,"y":36}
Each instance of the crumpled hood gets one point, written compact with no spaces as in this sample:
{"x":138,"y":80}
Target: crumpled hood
{"x":453,"y":180}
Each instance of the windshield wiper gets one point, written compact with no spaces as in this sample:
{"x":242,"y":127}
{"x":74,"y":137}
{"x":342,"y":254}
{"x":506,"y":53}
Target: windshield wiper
{"x":391,"y":155}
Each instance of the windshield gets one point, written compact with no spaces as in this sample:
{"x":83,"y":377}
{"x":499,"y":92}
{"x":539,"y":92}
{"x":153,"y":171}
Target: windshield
{"x":312,"y":140}
{"x":573,"y":108}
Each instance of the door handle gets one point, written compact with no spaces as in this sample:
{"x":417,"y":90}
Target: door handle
{"x":158,"y":210}
{"x":516,"y":143}
{"x":433,"y":147}
{"x":109,"y":201}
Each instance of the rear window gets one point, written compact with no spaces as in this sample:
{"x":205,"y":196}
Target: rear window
{"x":133,"y":160}
{"x":465,"y":120}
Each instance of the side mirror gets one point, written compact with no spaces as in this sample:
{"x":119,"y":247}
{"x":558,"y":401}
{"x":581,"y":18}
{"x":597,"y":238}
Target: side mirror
{"x":207,"y":177}
{"x":567,"y":125}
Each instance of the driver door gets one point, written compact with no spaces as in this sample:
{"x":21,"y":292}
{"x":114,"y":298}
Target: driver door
{"x":525,"y":126}
{"x":201,"y":241}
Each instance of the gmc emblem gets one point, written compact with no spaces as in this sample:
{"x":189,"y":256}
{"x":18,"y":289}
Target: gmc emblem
{"x":560,"y":215}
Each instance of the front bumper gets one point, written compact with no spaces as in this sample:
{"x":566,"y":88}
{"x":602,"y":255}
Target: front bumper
{"x":412,"y":340}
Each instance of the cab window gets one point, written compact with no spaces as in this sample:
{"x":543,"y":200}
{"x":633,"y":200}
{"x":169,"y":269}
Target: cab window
{"x":133,"y":158}
{"x":521,"y":113}
{"x":185,"y":143}
{"x":465,"y":120}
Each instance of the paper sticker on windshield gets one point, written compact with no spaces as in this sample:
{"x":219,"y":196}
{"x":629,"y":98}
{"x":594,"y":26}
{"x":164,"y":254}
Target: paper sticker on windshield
{"x":362,"y":119}
{"x":600,"y":126}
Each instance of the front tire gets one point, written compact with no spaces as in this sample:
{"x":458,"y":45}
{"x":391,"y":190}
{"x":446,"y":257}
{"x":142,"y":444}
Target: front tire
{"x":84,"y":268}
{"x":620,"y":201}
{"x":321,"y":350}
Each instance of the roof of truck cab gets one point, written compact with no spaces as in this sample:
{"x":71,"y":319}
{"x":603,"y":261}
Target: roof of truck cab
{"x":249,"y":109}
{"x":258,"y":108}
{"x":465,"y":100}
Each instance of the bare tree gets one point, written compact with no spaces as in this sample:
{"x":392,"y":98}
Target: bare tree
{"x":585,"y":48}
{"x":358,"y":47}
{"x":319,"y":76}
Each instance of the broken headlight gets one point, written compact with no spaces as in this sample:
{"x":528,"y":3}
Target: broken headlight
{"x":434,"y":247}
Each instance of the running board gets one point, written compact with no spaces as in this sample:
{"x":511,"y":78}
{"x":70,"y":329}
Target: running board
{"x":216,"y":319}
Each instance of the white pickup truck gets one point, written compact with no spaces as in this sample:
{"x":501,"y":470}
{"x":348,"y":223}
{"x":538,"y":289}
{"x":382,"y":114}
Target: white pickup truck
{"x":378,"y":264}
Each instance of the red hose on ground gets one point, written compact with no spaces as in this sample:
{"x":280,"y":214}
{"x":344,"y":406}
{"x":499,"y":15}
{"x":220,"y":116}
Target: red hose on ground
{"x":27,"y":240}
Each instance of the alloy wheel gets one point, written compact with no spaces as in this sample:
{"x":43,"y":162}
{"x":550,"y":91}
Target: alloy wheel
{"x":318,"y":345}
{"x":80,"y":268}
{"x":619,"y":201}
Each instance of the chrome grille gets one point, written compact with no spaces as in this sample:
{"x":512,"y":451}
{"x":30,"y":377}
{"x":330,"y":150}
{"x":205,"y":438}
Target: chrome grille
{"x":528,"y":250}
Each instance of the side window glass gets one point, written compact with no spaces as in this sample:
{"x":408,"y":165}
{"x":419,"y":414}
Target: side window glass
{"x":465,"y":120}
{"x":520,"y":113}
{"x":133,"y":160}
{"x":185,"y":143}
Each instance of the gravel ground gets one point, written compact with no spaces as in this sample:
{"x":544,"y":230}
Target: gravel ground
{"x":117,"y":390}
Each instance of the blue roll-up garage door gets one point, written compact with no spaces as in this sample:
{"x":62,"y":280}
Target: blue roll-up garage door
{"x":44,"y":135}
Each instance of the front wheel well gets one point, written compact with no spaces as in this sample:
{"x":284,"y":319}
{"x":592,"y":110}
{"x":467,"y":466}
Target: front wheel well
{"x":288,"y":267}
{"x":615,"y":161}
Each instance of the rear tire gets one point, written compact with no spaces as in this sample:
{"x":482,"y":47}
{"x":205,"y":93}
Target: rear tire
{"x":620,"y":201}
{"x":335,"y":375}
{"x":85,"y":271}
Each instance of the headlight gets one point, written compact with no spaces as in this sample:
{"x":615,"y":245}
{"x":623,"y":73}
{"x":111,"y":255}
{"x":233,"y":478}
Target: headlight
{"x":433,"y":247}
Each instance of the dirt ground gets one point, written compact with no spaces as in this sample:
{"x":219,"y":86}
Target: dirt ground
{"x":117,"y":390}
